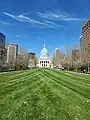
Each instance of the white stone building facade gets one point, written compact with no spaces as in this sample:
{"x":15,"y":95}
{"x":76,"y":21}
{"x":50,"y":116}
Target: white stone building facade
{"x":45,"y":60}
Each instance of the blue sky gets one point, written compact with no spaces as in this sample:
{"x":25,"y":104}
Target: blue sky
{"x":31,"y":22}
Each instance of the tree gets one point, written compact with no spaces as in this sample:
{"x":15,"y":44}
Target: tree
{"x":6,"y":67}
{"x":35,"y":60}
{"x":67,"y":56}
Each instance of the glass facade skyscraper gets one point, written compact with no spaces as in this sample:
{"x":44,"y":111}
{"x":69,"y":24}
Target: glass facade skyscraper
{"x":2,"y":39}
{"x":2,"y":47}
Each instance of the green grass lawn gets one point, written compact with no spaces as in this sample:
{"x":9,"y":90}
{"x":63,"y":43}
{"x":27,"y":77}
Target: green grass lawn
{"x":44,"y":94}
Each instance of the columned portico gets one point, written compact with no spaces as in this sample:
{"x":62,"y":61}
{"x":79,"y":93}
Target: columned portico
{"x":45,"y":63}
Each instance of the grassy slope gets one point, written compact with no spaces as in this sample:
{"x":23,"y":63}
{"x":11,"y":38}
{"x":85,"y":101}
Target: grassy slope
{"x":43,"y":94}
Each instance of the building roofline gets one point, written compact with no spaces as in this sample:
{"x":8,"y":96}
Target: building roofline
{"x":2,"y":34}
{"x":85,"y":22}
{"x":31,"y":53}
{"x":13,"y":44}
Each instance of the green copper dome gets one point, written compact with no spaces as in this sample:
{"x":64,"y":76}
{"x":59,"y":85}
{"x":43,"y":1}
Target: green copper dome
{"x":44,"y":53}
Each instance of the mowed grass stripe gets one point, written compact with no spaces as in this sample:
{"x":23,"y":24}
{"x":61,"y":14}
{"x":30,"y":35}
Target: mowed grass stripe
{"x":79,"y":74}
{"x":16,"y":72}
{"x":10,"y":77}
{"x":72,"y":80}
{"x":19,"y":87}
{"x":43,"y":95}
{"x":64,"y":91}
{"x":30,"y":109}
{"x":79,"y":77}
{"x":32,"y":106}
{"x":16,"y":86}
{"x":24,"y":73}
{"x":71,"y":101}
{"x":27,"y":91}
{"x":59,"y":97}
{"x":67,"y":83}
{"x":19,"y":79}
{"x":48,"y":103}
{"x":76,"y":104}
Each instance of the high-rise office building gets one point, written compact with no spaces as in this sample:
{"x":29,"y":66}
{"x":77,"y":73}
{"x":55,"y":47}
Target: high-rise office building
{"x":31,"y":55}
{"x":2,"y":47}
{"x":85,"y":42}
{"x":12,"y":53}
{"x":2,"y":39}
{"x":31,"y":59}
{"x":56,"y":58}
{"x":24,"y":54}
{"x":81,"y":49}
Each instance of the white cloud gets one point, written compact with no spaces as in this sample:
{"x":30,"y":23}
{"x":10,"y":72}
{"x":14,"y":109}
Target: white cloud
{"x":56,"y":15}
{"x":23,"y":18}
{"x":52,"y":23}
{"x":4,"y":22}
{"x":52,"y":15}
{"x":27,"y":19}
{"x":10,"y":15}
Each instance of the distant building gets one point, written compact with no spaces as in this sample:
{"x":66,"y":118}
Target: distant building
{"x":85,"y":42}
{"x":2,"y":47}
{"x":24,"y":54}
{"x":56,"y":58}
{"x":12,"y":53}
{"x":2,"y":39}
{"x":5,"y":54}
{"x":31,"y":55}
{"x":45,"y":60}
{"x":81,"y":49}
{"x":31,"y":60}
